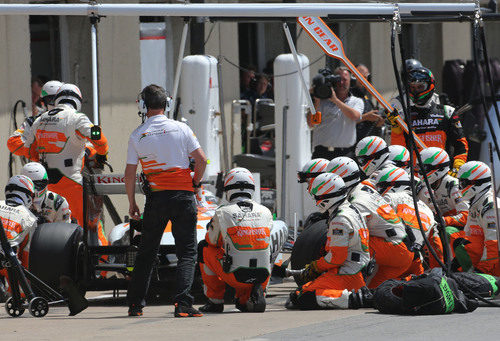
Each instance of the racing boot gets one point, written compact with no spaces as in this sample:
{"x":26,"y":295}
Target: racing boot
{"x":257,"y":301}
{"x":291,"y":302}
{"x":362,"y":298}
{"x":212,"y":307}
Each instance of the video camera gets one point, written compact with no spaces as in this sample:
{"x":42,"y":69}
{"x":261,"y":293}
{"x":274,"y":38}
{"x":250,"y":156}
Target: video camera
{"x":323,"y":83}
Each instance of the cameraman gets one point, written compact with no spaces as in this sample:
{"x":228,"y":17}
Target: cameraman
{"x":336,"y":134}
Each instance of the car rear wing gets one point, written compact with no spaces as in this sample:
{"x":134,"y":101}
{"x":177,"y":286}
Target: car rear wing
{"x":105,"y":184}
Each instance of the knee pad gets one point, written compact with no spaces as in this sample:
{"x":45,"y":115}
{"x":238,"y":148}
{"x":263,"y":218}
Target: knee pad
{"x":306,"y":300}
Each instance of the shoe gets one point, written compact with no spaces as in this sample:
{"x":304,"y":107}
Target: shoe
{"x":211,"y":307}
{"x":241,"y":307}
{"x":135,"y":310}
{"x":185,"y":311}
{"x":257,"y":301}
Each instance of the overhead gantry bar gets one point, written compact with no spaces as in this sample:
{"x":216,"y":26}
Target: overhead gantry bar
{"x":281,"y":10}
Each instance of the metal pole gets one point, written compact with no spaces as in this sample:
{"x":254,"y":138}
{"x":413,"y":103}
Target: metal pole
{"x":309,"y":102}
{"x":283,"y":164}
{"x":495,"y":203}
{"x":179,"y":66}
{"x":225,"y":150}
{"x":95,"y":80}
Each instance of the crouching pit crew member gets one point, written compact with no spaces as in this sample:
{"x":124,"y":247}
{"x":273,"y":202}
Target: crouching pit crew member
{"x":237,"y":248}
{"x":393,"y":183}
{"x":17,"y":219}
{"x":49,"y":206}
{"x":163,"y":147}
{"x":479,"y":247}
{"x":387,"y":233}
{"x":444,"y":187}
{"x":333,"y":279}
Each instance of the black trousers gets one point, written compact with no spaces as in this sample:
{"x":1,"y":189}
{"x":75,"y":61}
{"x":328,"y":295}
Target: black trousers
{"x":323,"y":152}
{"x":179,"y":207}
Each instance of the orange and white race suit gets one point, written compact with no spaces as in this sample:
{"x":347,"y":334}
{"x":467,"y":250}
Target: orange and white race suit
{"x":449,"y":200}
{"x":481,"y":231}
{"x":55,"y":208}
{"x":18,"y":222}
{"x":402,"y":202}
{"x":347,"y":254}
{"x":386,"y":235}
{"x":16,"y":142}
{"x":238,"y":251}
{"x":61,"y":135}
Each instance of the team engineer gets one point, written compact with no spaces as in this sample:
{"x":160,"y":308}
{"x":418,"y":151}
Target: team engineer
{"x":163,"y":147}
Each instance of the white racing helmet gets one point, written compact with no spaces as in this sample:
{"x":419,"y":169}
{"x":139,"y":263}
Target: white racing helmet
{"x":49,"y":91}
{"x":69,"y":94}
{"x":328,"y":190}
{"x":391,"y":180}
{"x":436,"y":163}
{"x":474,"y":178}
{"x":371,"y":153}
{"x":312,"y":169}
{"x":37,"y":173}
{"x":19,"y":190}
{"x":239,"y":182}
{"x":400,"y":156}
{"x":347,"y":169}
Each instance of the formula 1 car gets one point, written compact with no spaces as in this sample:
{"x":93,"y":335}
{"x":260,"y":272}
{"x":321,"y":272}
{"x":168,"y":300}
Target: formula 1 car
{"x":61,"y":249}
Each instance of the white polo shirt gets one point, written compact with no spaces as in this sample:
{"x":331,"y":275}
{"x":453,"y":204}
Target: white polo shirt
{"x":336,"y":130}
{"x":162,"y":146}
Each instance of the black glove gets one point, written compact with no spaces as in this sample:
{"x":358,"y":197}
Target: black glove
{"x":100,"y":160}
{"x":310,"y":272}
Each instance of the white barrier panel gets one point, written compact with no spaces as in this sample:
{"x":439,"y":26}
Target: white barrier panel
{"x":199,"y":93}
{"x":289,"y":92}
{"x":153,"y":54}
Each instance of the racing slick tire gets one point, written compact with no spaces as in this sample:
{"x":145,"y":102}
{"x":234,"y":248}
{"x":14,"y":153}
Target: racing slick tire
{"x":309,"y":246}
{"x":54,"y":252}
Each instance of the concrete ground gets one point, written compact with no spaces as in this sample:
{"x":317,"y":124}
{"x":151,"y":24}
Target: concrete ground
{"x":106,"y":319}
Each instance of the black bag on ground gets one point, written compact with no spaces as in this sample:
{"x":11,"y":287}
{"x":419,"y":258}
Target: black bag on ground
{"x":482,"y":284}
{"x":430,"y":294}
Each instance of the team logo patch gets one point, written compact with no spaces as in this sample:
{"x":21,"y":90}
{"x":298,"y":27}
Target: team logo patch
{"x":337,"y":232}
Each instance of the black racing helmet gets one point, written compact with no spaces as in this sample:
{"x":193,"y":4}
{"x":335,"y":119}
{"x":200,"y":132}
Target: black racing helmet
{"x":411,"y":64}
{"x":421,"y":85}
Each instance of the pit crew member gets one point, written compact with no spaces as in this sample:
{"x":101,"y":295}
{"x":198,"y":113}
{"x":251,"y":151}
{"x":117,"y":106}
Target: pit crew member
{"x":237,"y":249}
{"x":333,"y":279}
{"x":387,"y":232}
{"x":61,"y":135}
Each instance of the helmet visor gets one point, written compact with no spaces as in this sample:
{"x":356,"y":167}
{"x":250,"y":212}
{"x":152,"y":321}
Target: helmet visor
{"x":40,"y":185}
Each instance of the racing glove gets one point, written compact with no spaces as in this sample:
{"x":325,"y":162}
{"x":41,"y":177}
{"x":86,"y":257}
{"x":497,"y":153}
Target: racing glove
{"x":310,"y":272}
{"x":392,"y":118}
{"x":100,"y":160}
{"x":457,"y":163}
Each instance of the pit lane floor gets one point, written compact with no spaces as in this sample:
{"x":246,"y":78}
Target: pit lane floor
{"x":106,"y":319}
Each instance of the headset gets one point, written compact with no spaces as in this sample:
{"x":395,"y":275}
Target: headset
{"x":143,"y":109}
